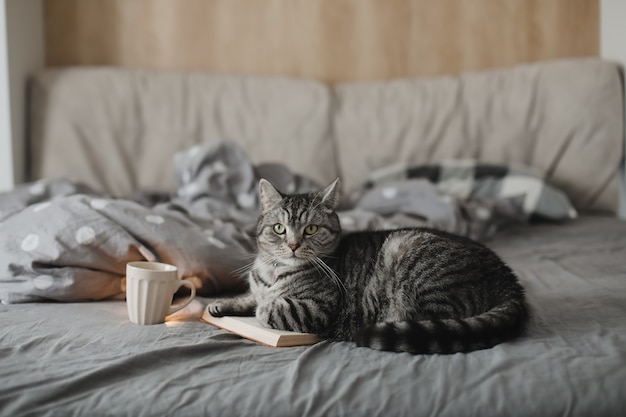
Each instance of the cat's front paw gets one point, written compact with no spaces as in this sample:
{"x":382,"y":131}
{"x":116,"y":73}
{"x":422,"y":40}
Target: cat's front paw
{"x":238,"y":306}
{"x":217,"y":309}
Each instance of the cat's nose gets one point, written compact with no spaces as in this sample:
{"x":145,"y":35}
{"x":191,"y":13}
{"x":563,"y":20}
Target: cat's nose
{"x":293,"y":246}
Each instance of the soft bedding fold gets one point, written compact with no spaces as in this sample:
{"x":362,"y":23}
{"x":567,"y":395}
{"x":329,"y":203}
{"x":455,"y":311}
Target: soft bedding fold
{"x":62,"y":241}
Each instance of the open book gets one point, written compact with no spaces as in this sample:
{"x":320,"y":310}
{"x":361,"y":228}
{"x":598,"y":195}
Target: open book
{"x":250,"y":328}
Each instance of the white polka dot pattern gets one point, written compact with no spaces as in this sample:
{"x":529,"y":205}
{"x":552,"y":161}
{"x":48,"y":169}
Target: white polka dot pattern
{"x":389,"y":192}
{"x":216,"y":242}
{"x":37,"y":189}
{"x":41,"y":206}
{"x":154,"y":219}
{"x":85,"y":235}
{"x":245,"y":200}
{"x":30,"y":242}
{"x":483,"y":213}
{"x":99,"y":203}
{"x":43,"y":282}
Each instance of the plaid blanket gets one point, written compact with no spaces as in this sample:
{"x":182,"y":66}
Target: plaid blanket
{"x":465,"y":179}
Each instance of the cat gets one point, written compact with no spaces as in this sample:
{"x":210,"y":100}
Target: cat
{"x":417,"y":290}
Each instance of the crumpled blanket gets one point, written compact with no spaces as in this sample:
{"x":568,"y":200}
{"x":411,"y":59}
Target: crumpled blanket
{"x":61,"y":240}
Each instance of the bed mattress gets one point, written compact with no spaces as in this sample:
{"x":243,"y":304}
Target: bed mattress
{"x":88,"y":359}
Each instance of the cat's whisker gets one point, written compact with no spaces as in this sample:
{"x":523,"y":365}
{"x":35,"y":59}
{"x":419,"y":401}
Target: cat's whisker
{"x":247,"y":257}
{"x":244,"y":270}
{"x":323,"y":271}
{"x":266,"y":260}
{"x":257,"y":264}
{"x":328,"y":271}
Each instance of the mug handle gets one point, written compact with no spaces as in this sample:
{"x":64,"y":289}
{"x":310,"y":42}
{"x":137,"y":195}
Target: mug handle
{"x":175,"y":307}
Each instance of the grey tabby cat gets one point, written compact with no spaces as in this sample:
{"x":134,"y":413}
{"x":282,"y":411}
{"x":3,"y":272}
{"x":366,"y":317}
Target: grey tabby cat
{"x":413,"y":290}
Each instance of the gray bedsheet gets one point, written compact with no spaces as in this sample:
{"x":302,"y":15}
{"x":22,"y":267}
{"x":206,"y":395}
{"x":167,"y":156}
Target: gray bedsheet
{"x":87,"y":359}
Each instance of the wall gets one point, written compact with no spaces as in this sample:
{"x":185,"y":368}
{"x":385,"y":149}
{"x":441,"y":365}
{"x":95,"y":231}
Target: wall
{"x":7,"y":176}
{"x":613,"y":46}
{"x":21,"y":54}
{"x":328,"y":40}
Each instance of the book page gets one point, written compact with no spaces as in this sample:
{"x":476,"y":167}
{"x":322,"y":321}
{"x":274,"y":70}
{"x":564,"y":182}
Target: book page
{"x":251,"y":328}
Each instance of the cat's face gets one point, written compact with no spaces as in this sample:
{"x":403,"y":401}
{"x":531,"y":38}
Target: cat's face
{"x":299,"y":228}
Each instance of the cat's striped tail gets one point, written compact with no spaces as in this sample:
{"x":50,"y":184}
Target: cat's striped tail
{"x":501,"y":323}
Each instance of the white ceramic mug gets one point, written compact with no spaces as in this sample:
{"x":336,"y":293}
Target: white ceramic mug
{"x":149,"y":290}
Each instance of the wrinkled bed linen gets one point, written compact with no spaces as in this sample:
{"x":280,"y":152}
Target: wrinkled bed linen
{"x":88,"y":359}
{"x":60,"y":240}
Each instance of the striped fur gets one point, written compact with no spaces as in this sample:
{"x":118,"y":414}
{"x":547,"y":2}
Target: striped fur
{"x":411,"y":290}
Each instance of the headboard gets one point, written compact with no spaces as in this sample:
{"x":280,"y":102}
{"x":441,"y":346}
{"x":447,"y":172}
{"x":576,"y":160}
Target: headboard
{"x":327,"y":40}
{"x":118,"y":129}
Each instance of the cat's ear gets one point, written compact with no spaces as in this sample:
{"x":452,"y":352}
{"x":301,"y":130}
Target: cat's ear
{"x":330,"y":195}
{"x":269,"y":196}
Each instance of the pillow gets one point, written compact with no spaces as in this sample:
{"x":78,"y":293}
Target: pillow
{"x":565,"y":117}
{"x":467,"y":179}
{"x":140,"y":118}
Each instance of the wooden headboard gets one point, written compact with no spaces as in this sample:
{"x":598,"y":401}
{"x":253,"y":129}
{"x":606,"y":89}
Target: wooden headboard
{"x":329,"y":40}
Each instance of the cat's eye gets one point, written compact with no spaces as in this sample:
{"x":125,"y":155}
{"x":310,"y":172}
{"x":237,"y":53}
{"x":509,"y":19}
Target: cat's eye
{"x":311,"y":229}
{"x":279,"y":229}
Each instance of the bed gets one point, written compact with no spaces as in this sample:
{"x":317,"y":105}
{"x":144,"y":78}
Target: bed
{"x":162,"y":165}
